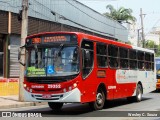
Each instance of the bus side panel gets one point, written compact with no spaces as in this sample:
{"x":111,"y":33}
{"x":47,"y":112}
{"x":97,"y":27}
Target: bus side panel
{"x":110,"y":78}
{"x":125,"y":82}
{"x":89,"y":88}
{"x":147,"y":78}
{"x":91,"y":83}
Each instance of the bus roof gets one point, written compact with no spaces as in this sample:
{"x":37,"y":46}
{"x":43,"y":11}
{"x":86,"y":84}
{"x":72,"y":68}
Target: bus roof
{"x":95,"y":38}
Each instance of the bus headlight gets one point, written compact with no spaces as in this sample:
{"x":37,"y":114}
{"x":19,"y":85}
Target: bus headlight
{"x":64,"y":90}
{"x":75,"y":85}
{"x":24,"y":85}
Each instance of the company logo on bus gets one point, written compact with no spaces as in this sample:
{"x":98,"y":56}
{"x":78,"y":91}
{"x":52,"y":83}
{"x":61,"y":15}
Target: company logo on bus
{"x":37,"y":86}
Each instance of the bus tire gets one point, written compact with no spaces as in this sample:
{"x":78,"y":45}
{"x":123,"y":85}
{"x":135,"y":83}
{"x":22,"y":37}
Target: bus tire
{"x":55,"y":106}
{"x":100,"y":100}
{"x":138,"y":96}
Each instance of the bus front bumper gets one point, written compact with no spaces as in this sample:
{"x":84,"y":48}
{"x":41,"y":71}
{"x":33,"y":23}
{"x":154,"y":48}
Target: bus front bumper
{"x":71,"y":96}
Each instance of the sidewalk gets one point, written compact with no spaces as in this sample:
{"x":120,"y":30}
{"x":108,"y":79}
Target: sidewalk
{"x":7,"y":102}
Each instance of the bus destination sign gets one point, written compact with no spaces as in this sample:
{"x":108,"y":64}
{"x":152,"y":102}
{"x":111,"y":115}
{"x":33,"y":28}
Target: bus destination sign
{"x":55,"y":39}
{"x":51,"y":39}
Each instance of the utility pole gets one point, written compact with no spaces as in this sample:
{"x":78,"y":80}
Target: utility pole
{"x":138,"y":42}
{"x":24,"y":32}
{"x":142,"y":27}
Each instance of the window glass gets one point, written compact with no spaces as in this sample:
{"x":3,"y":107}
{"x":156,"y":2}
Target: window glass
{"x":152,"y":57}
{"x":147,"y":57}
{"x":113,"y":62}
{"x":124,"y":63}
{"x":133,"y":64}
{"x":148,"y":65}
{"x":101,"y":55}
{"x":152,"y":61}
{"x":132,"y":54}
{"x":140,"y":55}
{"x":101,"y":49}
{"x":87,"y":57}
{"x":123,"y":52}
{"x":141,"y":65}
{"x":112,"y":50}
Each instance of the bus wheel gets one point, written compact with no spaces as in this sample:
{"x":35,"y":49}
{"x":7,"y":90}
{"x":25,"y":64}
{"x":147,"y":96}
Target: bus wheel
{"x":55,"y":106}
{"x":100,"y":100}
{"x":138,"y":96}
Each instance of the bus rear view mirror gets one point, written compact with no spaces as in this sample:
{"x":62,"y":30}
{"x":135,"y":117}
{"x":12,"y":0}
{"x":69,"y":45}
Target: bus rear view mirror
{"x":19,"y":55}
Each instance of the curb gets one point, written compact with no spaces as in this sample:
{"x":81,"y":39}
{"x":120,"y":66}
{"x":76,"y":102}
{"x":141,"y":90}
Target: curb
{"x":22,"y":104}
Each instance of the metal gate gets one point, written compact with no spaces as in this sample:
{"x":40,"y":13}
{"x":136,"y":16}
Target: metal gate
{"x":14,"y":65}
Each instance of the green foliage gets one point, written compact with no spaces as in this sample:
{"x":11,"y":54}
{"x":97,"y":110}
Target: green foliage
{"x":151,"y":45}
{"x":121,"y":15}
{"x":158,"y":51}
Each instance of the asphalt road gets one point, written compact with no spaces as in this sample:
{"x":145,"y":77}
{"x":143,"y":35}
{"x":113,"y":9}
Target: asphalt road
{"x":115,"y":109}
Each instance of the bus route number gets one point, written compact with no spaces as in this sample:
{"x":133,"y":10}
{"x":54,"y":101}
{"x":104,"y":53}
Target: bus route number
{"x":54,"y":86}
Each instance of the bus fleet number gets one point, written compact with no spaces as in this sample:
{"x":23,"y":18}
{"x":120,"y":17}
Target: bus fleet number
{"x":54,"y":86}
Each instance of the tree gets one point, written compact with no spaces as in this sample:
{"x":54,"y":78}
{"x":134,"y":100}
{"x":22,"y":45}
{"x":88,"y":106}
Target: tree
{"x":151,"y":45}
{"x":121,"y":15}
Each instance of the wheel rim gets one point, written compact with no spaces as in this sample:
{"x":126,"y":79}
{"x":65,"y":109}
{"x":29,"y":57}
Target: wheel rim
{"x":99,"y":99}
{"x":139,"y":96}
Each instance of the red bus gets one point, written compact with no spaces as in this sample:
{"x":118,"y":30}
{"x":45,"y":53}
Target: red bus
{"x":71,"y":67}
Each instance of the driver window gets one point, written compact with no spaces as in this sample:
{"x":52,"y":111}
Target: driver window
{"x":87,"y":57}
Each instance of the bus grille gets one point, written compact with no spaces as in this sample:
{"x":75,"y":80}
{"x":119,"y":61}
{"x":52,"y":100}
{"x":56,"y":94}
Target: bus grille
{"x":53,"y":97}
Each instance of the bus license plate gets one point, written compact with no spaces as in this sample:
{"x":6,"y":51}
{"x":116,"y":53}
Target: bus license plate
{"x":46,"y":96}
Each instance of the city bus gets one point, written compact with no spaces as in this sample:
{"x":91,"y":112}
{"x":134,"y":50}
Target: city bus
{"x":73,"y":67}
{"x":157,"y":60}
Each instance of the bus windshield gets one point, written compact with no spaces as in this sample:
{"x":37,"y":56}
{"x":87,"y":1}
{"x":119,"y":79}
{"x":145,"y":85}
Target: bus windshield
{"x":52,"y":61}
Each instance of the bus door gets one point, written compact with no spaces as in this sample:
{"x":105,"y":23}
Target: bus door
{"x":88,"y":78}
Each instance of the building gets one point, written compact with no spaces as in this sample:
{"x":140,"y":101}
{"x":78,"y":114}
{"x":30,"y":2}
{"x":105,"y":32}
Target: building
{"x":46,"y":16}
{"x":154,"y":35}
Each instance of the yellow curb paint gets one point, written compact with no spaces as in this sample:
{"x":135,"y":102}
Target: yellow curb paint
{"x":9,"y":88}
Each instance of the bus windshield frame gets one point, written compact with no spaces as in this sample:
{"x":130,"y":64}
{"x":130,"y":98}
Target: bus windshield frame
{"x":52,"y":59}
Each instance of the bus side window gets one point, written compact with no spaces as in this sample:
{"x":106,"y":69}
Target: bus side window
{"x":148,"y":61}
{"x":101,"y":55}
{"x":152,"y":59}
{"x":123,"y":54}
{"x":132,"y":59}
{"x":113,"y":56}
{"x":141,"y":64}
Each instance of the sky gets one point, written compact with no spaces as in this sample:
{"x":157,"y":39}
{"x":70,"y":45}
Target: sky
{"x":151,"y":9}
